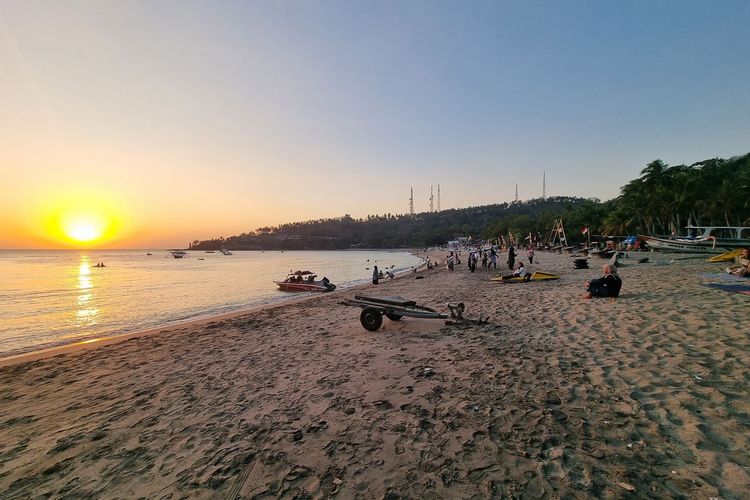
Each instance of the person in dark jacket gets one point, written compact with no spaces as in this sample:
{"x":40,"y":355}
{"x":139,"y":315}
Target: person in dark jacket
{"x":607,"y":286}
{"x":511,"y":258}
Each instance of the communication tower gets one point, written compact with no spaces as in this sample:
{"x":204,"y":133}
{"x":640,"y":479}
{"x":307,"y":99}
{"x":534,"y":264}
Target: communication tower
{"x":544,"y":186}
{"x":438,"y":206}
{"x":431,"y":198}
{"x":516,"y":193}
{"x":411,"y":201}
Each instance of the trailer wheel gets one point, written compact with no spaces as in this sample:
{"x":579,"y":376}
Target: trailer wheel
{"x":371,"y":319}
{"x":393,"y":317}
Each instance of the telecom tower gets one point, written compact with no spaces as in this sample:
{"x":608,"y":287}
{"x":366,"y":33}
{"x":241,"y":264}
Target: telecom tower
{"x":438,"y":198}
{"x":431,"y":198}
{"x":516,"y":193}
{"x":411,"y":201}
{"x":544,"y":186}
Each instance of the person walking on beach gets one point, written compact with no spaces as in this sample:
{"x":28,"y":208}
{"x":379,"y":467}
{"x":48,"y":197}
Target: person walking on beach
{"x":375,"y":275}
{"x":511,"y":258}
{"x":530,"y":254}
{"x":473,"y":258}
{"x":493,"y":259}
{"x":450,"y":261}
{"x":484,"y":258}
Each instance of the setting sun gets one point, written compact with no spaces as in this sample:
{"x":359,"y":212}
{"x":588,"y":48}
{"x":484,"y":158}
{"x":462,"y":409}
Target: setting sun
{"x":81,"y":220}
{"x":84,"y":228}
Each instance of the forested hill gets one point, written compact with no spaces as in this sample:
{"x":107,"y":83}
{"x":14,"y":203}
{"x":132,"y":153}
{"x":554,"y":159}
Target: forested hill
{"x":662,"y":200}
{"x":392,"y":231}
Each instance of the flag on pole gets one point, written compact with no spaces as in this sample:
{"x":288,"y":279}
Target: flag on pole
{"x":584,"y":230}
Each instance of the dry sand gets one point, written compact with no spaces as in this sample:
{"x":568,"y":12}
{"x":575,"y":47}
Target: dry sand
{"x":556,"y":397}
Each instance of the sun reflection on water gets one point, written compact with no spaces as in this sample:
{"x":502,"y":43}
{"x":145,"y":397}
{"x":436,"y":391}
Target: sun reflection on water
{"x":86,"y":315}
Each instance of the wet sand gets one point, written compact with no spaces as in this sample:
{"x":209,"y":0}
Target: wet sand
{"x":556,"y":397}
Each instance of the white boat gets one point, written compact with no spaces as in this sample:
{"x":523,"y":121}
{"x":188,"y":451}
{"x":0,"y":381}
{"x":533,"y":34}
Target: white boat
{"x":178,"y":254}
{"x":225,"y":251}
{"x":703,"y":239}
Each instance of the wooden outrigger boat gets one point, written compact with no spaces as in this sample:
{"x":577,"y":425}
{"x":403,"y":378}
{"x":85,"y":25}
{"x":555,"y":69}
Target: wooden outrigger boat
{"x":703,"y":239}
{"x":304,"y":281}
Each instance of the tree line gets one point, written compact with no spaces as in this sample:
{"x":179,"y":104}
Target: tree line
{"x":661,"y":200}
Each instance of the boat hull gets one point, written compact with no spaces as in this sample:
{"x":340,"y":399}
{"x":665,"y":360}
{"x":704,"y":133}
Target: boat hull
{"x":304,"y":287}
{"x":697,"y":246}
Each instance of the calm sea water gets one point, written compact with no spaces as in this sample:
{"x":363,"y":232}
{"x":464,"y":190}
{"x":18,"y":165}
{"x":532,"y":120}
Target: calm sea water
{"x":50,"y":298}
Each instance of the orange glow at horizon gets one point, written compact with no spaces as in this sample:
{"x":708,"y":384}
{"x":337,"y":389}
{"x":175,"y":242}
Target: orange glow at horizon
{"x":81,"y":221}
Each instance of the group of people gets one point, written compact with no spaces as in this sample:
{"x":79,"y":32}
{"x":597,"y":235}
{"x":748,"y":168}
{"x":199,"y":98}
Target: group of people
{"x":488,"y":258}
{"x":377,"y":275}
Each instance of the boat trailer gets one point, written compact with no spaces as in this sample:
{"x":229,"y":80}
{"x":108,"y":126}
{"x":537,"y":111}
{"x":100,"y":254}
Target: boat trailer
{"x":397,"y":307}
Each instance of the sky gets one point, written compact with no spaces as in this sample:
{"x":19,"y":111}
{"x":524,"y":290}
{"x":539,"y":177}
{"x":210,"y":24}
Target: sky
{"x":178,"y":120}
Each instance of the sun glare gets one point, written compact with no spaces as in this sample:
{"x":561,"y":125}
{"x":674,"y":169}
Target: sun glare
{"x":84,"y":229}
{"x":82,"y":222}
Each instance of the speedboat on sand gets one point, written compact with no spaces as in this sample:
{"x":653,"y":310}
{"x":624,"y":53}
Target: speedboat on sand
{"x":304,"y":281}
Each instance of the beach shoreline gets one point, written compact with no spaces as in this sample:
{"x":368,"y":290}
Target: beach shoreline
{"x":555,"y":396}
{"x":93,"y":343}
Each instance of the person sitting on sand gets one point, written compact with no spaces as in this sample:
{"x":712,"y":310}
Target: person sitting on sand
{"x":520,"y":272}
{"x":607,"y":286}
{"x":742,"y":267}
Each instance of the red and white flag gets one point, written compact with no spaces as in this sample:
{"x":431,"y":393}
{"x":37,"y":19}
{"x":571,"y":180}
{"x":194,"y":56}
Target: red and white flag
{"x":584,"y":230}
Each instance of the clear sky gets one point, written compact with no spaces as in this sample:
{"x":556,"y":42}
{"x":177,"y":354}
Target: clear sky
{"x":180,"y":120}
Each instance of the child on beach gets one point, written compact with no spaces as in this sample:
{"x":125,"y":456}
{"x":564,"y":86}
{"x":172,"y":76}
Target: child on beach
{"x":742,"y":267}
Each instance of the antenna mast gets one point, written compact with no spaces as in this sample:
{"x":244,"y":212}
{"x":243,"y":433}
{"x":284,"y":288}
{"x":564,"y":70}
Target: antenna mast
{"x":544,"y":186}
{"x":516,"y":193}
{"x":438,"y":208}
{"x":411,"y":201}
{"x":431,"y":198}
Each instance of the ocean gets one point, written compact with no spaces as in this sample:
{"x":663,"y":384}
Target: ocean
{"x":55,"y":297}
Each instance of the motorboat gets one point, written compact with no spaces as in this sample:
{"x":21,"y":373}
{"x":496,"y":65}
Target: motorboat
{"x":225,"y":251}
{"x":703,"y":239}
{"x":178,"y":254}
{"x":304,"y":281}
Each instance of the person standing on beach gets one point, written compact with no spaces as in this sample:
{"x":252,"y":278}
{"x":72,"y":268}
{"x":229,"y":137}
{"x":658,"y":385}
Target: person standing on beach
{"x":375,"y":275}
{"x":511,"y":258}
{"x":493,"y":259}
{"x":484,"y":258}
{"x":530,"y":254}
{"x":450,"y":261}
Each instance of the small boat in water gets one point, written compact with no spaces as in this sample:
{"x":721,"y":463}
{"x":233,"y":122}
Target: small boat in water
{"x":304,"y":281}
{"x":225,"y":251}
{"x":178,"y":254}
{"x":703,"y":239}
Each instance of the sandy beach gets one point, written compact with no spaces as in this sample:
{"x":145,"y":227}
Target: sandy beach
{"x":556,"y":397}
